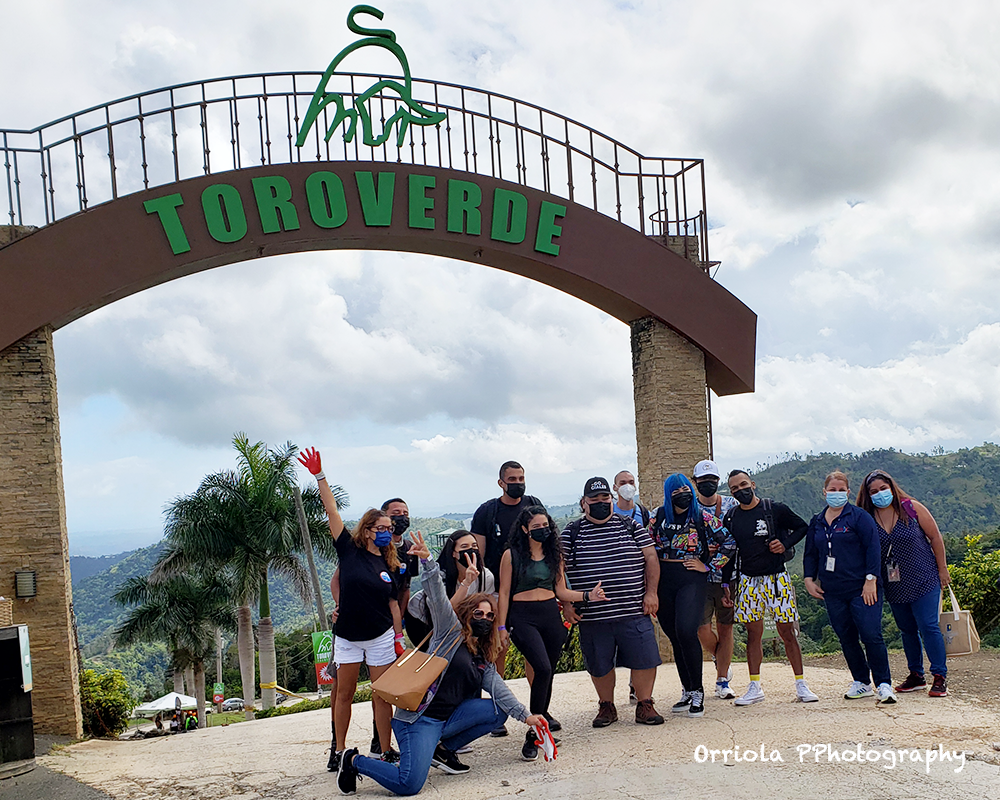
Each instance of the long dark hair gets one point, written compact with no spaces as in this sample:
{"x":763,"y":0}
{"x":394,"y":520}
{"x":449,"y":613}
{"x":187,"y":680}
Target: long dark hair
{"x":446,"y":560}
{"x":367,"y":523}
{"x":865,"y":498}
{"x":520,"y":542}
{"x":489,"y":649}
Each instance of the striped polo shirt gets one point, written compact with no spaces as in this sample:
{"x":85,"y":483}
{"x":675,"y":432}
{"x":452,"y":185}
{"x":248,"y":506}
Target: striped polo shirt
{"x":611,"y":553}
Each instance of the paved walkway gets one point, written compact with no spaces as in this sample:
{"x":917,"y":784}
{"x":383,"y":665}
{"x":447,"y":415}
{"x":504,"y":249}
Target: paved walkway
{"x":285,"y":757}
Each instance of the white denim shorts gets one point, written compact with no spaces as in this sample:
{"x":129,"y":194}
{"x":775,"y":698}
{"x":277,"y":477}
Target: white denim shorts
{"x":377,"y":652}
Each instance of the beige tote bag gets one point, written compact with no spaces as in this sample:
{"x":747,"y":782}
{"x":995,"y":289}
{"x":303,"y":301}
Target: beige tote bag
{"x":958,"y":628}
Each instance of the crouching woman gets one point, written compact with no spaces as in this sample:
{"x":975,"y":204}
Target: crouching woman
{"x":453,"y":713}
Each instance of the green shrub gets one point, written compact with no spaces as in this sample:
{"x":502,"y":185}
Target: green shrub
{"x":106,"y":703}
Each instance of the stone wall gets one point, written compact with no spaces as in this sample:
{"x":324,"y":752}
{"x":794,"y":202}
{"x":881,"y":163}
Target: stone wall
{"x":33,"y":523}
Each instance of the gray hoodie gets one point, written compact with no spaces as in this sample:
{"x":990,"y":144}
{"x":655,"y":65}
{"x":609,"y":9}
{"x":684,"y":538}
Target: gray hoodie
{"x":445,"y":641}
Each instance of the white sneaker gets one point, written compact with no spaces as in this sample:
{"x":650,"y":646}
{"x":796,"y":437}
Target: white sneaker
{"x":803,"y":694}
{"x":729,"y":673}
{"x":723,"y":691}
{"x":857,"y":690}
{"x":886,"y":694}
{"x":753,"y":694}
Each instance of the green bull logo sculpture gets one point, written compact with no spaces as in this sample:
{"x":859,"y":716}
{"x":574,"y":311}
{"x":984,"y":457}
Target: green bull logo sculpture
{"x":408,"y":111}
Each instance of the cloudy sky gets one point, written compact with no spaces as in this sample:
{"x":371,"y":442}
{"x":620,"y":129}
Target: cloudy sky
{"x":852,"y":160}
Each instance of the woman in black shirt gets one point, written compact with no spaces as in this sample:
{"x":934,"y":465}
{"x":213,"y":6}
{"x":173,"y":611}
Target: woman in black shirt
{"x":369,"y":625}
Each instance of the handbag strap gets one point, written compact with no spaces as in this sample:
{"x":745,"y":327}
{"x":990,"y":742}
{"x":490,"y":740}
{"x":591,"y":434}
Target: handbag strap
{"x":954,"y":603}
{"x":423,"y":641}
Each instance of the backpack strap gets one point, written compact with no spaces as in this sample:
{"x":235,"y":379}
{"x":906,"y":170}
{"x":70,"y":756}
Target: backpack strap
{"x":907,"y":506}
{"x":644,"y":512}
{"x":574,"y":537}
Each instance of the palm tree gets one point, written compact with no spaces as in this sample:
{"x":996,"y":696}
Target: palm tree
{"x":185,"y":611}
{"x":244,"y":521}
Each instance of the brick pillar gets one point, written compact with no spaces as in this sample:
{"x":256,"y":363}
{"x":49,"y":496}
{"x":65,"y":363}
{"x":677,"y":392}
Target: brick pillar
{"x":33,"y":523}
{"x":671,"y":405}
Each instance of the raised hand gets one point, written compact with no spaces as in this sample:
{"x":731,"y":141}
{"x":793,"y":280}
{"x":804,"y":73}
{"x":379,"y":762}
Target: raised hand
{"x":419,"y":547}
{"x":309,"y":458}
{"x":597,"y":593}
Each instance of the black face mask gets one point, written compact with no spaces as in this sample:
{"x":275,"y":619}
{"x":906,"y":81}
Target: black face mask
{"x":682,"y":500}
{"x":600,"y":510}
{"x":515,"y":490}
{"x":744,"y":496}
{"x":707,"y":488}
{"x":400,"y":524}
{"x":540,"y":534}
{"x":469,"y":557}
{"x":481,"y":628}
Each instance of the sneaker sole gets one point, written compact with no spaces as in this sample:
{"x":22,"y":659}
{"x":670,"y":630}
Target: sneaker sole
{"x":901,"y":690}
{"x":446,"y":769}
{"x":696,"y":713}
{"x":806,"y":700}
{"x":680,"y":710}
{"x":498,"y":735}
{"x":525,"y":758}
{"x":887,"y":702}
{"x":651,"y":721}
{"x":602,"y":723}
{"x":938,"y":694}
{"x":859,"y":696}
{"x":739,"y":702}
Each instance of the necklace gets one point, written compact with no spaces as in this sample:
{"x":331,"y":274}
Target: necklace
{"x":892,"y":519}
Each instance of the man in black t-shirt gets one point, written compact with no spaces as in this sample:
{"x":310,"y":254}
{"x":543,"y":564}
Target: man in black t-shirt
{"x":492,"y":521}
{"x":399,"y":513}
{"x":764,"y":530}
{"x":491,"y":526}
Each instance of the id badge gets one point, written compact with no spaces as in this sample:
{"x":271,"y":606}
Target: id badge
{"x":892,"y":571}
{"x":831,"y":562}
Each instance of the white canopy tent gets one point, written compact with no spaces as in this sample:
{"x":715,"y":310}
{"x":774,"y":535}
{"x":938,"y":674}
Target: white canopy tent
{"x":166,"y":703}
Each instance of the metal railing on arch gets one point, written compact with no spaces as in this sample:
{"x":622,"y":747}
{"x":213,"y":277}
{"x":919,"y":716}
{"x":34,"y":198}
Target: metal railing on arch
{"x":208,"y":127}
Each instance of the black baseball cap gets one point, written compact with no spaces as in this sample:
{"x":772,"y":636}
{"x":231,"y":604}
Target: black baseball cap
{"x":596,"y":486}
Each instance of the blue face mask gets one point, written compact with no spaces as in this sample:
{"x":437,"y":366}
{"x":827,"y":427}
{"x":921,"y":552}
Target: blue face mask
{"x":836,"y":499}
{"x":383,"y":538}
{"x":882,"y":499}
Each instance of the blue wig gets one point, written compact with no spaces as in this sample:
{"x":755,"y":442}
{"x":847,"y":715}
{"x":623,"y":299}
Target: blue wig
{"x":671,"y":485}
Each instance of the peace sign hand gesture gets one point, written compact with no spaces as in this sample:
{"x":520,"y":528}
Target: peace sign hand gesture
{"x":419,"y":547}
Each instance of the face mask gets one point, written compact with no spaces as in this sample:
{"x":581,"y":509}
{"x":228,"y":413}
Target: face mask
{"x":707,"y":488}
{"x":682,"y":500}
{"x":626,"y":492}
{"x":469,"y":557}
{"x":744,"y":496}
{"x":836,"y":499}
{"x":515,"y":490}
{"x":540,"y":534}
{"x":481,"y":628}
{"x":600,"y":511}
{"x":400,"y":524}
{"x":383,"y":538}
{"x":882,"y":499}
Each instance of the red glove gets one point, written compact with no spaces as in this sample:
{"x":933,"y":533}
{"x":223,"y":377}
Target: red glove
{"x":309,"y":459}
{"x":400,"y":647}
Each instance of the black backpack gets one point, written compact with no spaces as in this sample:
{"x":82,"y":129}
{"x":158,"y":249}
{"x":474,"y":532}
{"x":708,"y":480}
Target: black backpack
{"x":768,"y":507}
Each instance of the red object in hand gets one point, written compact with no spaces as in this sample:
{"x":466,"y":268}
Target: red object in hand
{"x":309,"y":459}
{"x":400,"y":648}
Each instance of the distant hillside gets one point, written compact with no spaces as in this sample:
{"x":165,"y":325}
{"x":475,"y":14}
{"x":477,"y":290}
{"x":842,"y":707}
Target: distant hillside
{"x":958,"y":488}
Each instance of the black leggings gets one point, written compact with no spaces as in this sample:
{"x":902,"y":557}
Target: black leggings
{"x":537,"y":629}
{"x":682,"y":602}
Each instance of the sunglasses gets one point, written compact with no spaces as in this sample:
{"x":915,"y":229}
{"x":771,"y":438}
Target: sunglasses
{"x":480,"y":614}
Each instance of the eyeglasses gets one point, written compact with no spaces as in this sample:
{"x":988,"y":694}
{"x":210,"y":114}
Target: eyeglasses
{"x":480,"y":614}
{"x":382,"y":529}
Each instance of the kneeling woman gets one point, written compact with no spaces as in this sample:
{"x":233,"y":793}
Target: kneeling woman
{"x":453,"y":714}
{"x":531,"y":578}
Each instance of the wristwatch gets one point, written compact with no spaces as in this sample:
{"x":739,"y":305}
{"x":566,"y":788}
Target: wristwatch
{"x":870,"y":577}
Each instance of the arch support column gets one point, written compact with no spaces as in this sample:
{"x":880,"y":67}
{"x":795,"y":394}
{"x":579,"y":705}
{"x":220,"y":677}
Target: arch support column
{"x":33,"y":523}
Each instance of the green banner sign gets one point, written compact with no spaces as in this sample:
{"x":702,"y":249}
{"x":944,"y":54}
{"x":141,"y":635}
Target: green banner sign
{"x":322,"y":654}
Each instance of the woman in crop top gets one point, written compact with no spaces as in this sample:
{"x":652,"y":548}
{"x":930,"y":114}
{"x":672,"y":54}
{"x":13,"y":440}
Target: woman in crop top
{"x":531,"y":578}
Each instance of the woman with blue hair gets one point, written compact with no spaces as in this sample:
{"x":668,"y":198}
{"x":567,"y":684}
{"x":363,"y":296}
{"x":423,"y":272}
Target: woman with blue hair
{"x":688,"y":540}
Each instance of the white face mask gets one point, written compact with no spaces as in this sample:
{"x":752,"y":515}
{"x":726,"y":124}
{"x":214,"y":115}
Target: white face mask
{"x":627,"y":492}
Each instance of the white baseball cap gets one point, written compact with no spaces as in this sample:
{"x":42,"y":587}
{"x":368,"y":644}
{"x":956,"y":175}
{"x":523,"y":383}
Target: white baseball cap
{"x":706,"y":467}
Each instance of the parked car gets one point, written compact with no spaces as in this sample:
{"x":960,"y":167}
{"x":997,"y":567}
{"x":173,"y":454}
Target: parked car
{"x":233,"y":704}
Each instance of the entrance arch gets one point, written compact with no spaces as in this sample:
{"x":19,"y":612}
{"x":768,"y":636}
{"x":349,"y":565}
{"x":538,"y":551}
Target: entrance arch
{"x":196,"y":176}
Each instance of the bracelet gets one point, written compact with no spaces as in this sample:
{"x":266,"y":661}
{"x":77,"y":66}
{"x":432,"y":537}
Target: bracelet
{"x":586,"y":597}
{"x":320,"y":476}
{"x":725,"y":586}
{"x":501,"y":627}
{"x":399,"y":637}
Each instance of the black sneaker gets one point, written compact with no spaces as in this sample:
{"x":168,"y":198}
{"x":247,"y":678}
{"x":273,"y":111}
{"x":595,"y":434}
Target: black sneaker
{"x":529,"y":751}
{"x":446,"y":761}
{"x":347,"y":776}
{"x":697,"y":707}
{"x":333,"y":765}
{"x":683,"y":704}
{"x":554,"y":724}
{"x":390,"y":756}
{"x":914,"y":681}
{"x":375,"y":749}
{"x":496,"y":733}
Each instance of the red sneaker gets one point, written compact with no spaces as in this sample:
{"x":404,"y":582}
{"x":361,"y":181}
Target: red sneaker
{"x":913,"y":682}
{"x":940,"y":687}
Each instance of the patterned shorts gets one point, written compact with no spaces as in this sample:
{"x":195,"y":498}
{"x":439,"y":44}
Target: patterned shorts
{"x":759,"y":595}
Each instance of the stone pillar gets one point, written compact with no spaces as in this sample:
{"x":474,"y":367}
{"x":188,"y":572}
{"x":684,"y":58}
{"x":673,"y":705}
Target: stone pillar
{"x":33,"y":523}
{"x":671,"y":403}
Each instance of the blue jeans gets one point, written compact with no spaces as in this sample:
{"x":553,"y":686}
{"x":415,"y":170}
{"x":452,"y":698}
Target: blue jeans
{"x":418,"y":740}
{"x":918,"y":622}
{"x":856,"y":624}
